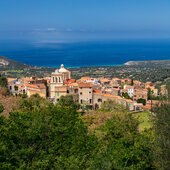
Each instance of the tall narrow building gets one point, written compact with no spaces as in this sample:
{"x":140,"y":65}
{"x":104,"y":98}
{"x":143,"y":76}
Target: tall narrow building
{"x":56,"y":81}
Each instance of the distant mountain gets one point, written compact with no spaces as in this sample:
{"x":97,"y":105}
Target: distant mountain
{"x":8,"y":64}
{"x":165,"y":63}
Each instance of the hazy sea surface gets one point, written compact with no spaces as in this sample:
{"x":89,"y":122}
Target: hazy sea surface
{"x":84,"y":53}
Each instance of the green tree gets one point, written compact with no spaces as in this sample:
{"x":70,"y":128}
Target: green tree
{"x":143,"y":101}
{"x":111,"y":105}
{"x":126,"y":96}
{"x":123,"y":147}
{"x":161,"y":124}
{"x":1,"y":108}
{"x":44,"y":138}
{"x":3,"y":81}
{"x":68,"y":101}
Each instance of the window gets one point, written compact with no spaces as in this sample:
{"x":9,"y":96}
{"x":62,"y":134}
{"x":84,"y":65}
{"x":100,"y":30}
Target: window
{"x":99,"y":100}
{"x":81,"y":93}
{"x":89,"y":91}
{"x":121,"y":102}
{"x":10,"y":87}
{"x":81,"y":101}
{"x":58,"y":93}
{"x":90,"y":101}
{"x":57,"y":100}
{"x":67,"y":91}
{"x":129,"y":105}
{"x":76,"y":91}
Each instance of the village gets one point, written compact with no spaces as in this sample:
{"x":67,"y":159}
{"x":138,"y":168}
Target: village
{"x":87,"y":91}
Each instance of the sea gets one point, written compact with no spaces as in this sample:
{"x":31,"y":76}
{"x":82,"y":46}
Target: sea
{"x":79,"y":53}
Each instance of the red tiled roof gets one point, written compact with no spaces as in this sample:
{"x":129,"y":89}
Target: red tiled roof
{"x":36,"y":86}
{"x":85,"y":78}
{"x":85,"y":84}
{"x":10,"y":79}
{"x":70,"y":81}
{"x":109,"y":95}
{"x":73,"y":84}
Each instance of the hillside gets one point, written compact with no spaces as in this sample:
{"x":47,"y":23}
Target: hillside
{"x":6,"y":64}
{"x":139,"y":70}
{"x":165,"y":63}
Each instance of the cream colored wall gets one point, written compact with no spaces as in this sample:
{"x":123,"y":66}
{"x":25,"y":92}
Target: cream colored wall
{"x":60,"y":94}
{"x":42,"y":93}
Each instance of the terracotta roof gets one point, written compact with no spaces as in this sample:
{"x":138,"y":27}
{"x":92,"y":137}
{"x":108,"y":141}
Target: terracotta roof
{"x":124,"y":89}
{"x":12,"y":84}
{"x":136,"y":81}
{"x":137,"y":90}
{"x":10,"y":79}
{"x":116,"y":78}
{"x":109,"y":95}
{"x":73,"y":84}
{"x":85,"y":78}
{"x":21,"y":87}
{"x":70,"y":81}
{"x":36,"y":86}
{"x":85,"y":84}
{"x":140,"y":93}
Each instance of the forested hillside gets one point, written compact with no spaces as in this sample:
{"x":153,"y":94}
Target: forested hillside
{"x":40,"y":135}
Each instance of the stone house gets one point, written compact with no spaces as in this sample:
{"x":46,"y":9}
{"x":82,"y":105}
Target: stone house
{"x":36,"y":89}
{"x":85,"y":93}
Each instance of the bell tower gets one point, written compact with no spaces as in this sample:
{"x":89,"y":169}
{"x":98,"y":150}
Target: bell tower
{"x":56,"y":81}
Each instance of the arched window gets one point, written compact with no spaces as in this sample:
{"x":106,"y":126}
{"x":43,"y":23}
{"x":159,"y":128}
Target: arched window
{"x":53,"y":79}
{"x":56,"y":80}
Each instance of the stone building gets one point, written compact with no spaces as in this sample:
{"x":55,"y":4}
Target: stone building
{"x":36,"y":89}
{"x":85,"y":93}
{"x":140,"y":94}
{"x":164,"y":91}
{"x":72,"y":89}
{"x":56,"y":81}
{"x":99,"y":98}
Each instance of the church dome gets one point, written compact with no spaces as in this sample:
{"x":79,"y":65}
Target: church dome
{"x":62,"y":69}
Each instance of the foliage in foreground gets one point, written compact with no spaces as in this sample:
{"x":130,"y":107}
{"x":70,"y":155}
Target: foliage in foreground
{"x":161,"y":122}
{"x":43,"y":138}
{"x":40,"y":135}
{"x":1,"y":108}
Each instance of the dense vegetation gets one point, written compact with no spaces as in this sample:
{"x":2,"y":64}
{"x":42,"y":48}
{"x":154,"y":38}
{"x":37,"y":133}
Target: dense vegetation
{"x":40,"y":135}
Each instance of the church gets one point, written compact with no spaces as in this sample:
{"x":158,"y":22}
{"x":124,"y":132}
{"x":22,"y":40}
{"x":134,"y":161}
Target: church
{"x":57,"y":88}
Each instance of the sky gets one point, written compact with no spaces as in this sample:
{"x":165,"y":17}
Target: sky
{"x":84,"y":19}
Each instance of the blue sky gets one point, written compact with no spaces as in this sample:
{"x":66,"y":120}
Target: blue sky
{"x":67,"y":19}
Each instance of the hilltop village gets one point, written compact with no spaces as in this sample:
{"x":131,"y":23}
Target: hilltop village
{"x":91,"y":92}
